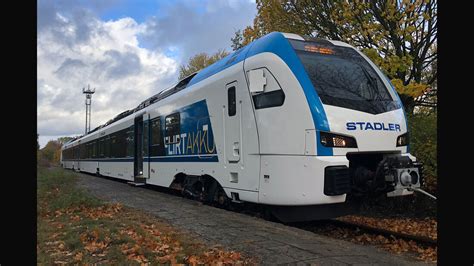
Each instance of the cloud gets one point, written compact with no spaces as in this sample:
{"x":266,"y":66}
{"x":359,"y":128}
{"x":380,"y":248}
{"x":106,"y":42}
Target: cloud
{"x":70,"y":67}
{"x":124,"y":60}
{"x":120,"y":65}
{"x":75,"y":48}
{"x":198,"y":26}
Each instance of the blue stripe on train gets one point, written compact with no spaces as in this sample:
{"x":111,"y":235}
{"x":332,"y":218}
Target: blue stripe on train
{"x":276,"y":43}
{"x":204,"y":158}
{"x":128,"y":159}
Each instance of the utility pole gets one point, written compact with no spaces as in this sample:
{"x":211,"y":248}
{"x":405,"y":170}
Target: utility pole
{"x":88,"y":94}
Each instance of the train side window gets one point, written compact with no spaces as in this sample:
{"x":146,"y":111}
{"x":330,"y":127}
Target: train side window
{"x":232,"y":106}
{"x":130,"y":135}
{"x":155,"y":132}
{"x":146,"y":137}
{"x":107,"y":147}
{"x":157,"y":147}
{"x":97,"y":144}
{"x":89,"y":150}
{"x":113,"y":146}
{"x":94,"y":149}
{"x":269,"y":99}
{"x":122,"y":143}
{"x":101,"y":148}
{"x":272,"y":95}
{"x":82,"y":151}
{"x":172,"y":128}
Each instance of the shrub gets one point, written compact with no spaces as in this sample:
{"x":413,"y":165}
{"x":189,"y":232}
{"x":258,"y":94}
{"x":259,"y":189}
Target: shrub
{"x":423,"y":145}
{"x":50,"y":154}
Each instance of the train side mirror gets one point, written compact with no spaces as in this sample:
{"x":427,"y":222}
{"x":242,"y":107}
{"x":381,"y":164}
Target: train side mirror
{"x":257,"y":80}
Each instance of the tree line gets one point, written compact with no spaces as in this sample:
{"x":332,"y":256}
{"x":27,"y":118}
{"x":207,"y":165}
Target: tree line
{"x":50,"y":154}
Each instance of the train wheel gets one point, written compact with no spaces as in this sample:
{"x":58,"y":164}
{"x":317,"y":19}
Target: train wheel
{"x":221,"y":198}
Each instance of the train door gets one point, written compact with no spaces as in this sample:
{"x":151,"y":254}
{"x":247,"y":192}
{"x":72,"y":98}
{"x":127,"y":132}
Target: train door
{"x":146,"y":146}
{"x":232,"y":124}
{"x":138,"y":155}
{"x":76,"y":167}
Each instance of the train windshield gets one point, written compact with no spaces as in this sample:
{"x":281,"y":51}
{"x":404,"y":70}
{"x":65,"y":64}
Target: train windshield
{"x":342,"y":77}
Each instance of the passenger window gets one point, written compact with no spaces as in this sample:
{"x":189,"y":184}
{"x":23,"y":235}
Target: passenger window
{"x":91,"y":150}
{"x":172,"y":128}
{"x":130,"y":140}
{"x":101,"y":148}
{"x":232,"y":107}
{"x":269,"y":99}
{"x":113,"y":146}
{"x":121,"y":151}
{"x":273,"y":95}
{"x":146,"y":137}
{"x":94,"y":149}
{"x":82,"y":151}
{"x":155,"y":132}
{"x":107,"y":147}
{"x":157,"y":147}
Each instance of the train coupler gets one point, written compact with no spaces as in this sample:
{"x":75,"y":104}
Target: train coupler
{"x":402,"y":174}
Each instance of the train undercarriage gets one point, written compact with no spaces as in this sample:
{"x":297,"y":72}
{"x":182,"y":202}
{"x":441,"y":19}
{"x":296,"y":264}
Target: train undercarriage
{"x":369,"y":175}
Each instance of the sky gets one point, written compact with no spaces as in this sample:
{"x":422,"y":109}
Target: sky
{"x":126,"y":50}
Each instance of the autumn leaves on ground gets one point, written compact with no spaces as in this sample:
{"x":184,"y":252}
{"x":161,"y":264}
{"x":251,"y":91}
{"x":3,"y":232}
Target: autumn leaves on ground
{"x":426,"y":228}
{"x":74,"y":227}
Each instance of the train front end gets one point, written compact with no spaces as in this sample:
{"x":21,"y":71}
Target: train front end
{"x":365,"y":122}
{"x":357,"y":145}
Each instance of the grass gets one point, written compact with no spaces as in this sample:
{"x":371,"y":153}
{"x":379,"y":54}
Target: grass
{"x":77,"y":228}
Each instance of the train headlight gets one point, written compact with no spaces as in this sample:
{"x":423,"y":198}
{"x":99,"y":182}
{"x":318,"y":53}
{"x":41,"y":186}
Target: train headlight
{"x":337,"y":141}
{"x":402,"y":140}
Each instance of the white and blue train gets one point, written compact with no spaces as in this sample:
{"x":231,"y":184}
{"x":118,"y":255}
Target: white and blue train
{"x":304,"y":126}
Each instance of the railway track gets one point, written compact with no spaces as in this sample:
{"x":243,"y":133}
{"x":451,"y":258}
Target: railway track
{"x":361,"y":228}
{"x":387,"y":233}
{"x":311,"y":226}
{"x":324,"y":226}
